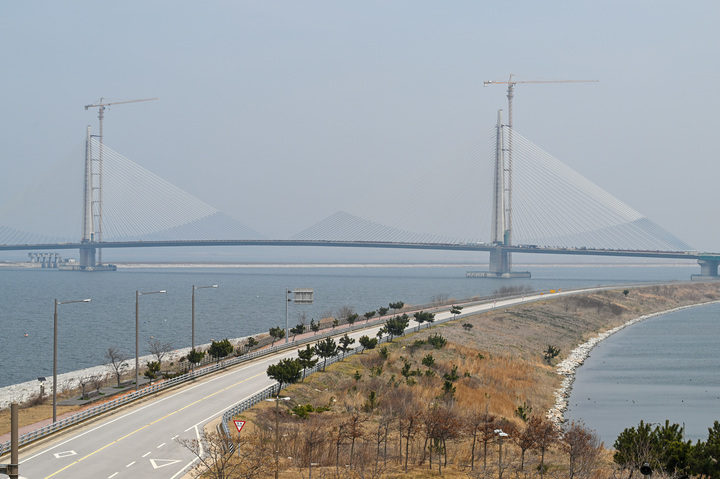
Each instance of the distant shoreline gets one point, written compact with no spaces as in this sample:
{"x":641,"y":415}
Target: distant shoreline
{"x":195,"y":264}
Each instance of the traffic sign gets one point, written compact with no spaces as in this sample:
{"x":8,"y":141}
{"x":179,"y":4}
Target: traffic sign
{"x":239,"y":425}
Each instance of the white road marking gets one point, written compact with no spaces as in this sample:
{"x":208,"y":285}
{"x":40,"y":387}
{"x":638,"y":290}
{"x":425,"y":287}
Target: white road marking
{"x":147,"y":454}
{"x":110,"y":477}
{"x":131,"y":464}
{"x":219,"y":413}
{"x":60,"y":455}
{"x":187,"y":466}
{"x":161,"y":445}
{"x":135,"y":411}
{"x":158,"y":463}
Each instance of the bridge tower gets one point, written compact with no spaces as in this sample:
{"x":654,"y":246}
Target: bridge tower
{"x":94,"y":193}
{"x":500,"y":260}
{"x":499,"y":211}
{"x":87,"y":255}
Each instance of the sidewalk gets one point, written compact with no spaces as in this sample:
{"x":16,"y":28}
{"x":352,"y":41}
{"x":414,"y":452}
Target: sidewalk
{"x":107,"y":394}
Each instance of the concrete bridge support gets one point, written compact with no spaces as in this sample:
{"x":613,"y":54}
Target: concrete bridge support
{"x":87,"y":257}
{"x":500,"y":266}
{"x":708,"y":269}
{"x":499,"y":261}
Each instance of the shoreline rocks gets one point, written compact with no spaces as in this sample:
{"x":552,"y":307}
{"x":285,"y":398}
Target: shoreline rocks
{"x":568,"y":366}
{"x":23,"y":392}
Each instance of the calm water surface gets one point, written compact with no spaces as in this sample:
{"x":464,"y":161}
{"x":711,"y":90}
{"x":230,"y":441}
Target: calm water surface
{"x":666,"y":367}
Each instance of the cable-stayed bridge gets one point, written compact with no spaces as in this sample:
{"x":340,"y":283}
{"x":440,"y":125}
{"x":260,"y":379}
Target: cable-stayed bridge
{"x":499,"y":193}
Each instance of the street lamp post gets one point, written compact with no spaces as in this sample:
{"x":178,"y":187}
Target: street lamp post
{"x":193,"y":310}
{"x":55,"y":348}
{"x":501,"y":435}
{"x":287,"y":321}
{"x":137,"y":333}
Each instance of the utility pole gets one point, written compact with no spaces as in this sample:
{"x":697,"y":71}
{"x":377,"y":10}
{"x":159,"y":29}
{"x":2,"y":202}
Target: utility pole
{"x":510,"y":93}
{"x":100,"y":105}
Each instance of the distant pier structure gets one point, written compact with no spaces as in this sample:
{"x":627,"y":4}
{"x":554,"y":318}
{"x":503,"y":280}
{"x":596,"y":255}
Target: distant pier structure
{"x":48,"y":260}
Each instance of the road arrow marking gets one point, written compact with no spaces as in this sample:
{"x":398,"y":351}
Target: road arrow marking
{"x":158,"y":463}
{"x":60,"y":455}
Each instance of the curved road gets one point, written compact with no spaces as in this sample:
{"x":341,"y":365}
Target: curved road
{"x":140,"y":440}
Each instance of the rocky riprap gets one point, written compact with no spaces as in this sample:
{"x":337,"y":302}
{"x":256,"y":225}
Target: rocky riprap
{"x":577,"y":357}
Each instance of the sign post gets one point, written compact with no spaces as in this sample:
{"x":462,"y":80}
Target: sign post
{"x":302,"y":296}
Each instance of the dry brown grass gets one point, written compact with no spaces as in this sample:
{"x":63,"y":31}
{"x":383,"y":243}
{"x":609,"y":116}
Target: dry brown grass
{"x":500,"y":367}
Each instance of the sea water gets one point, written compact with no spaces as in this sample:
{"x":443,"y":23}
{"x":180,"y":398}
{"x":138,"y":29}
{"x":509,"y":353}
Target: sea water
{"x":664,"y":368}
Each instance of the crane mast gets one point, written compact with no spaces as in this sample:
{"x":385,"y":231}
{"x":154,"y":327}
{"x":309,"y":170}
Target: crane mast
{"x":96,"y":206}
{"x":508,"y":171}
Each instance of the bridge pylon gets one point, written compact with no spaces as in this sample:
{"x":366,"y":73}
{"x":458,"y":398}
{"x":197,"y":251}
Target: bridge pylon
{"x":89,"y":251}
{"x":500,"y":260}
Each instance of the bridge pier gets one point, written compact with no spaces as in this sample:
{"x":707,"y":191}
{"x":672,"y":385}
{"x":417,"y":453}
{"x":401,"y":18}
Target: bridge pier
{"x":88,"y":261}
{"x":499,"y":261}
{"x":87,"y":257}
{"x":708,"y":269}
{"x":500,"y":266}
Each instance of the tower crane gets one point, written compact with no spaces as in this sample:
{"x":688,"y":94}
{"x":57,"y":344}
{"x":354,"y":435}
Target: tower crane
{"x":100,"y":105}
{"x":511,"y":90}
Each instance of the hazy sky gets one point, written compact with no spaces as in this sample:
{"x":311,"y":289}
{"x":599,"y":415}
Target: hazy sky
{"x":281,"y":112}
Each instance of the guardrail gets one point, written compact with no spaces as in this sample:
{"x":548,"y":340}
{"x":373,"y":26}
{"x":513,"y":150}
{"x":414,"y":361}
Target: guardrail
{"x":269,"y":391}
{"x":189,"y":376}
{"x":163,"y":385}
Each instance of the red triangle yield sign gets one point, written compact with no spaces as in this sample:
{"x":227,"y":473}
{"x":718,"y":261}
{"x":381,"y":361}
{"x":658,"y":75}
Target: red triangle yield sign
{"x":239,"y":425}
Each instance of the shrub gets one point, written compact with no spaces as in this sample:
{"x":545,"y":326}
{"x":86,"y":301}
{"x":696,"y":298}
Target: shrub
{"x":437,"y":341}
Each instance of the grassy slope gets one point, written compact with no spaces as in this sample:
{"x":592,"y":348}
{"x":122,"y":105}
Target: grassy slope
{"x":500,"y":360}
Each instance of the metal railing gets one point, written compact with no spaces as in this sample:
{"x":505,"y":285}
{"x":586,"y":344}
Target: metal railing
{"x":164,"y":385}
{"x":269,"y":391}
{"x":202,"y":371}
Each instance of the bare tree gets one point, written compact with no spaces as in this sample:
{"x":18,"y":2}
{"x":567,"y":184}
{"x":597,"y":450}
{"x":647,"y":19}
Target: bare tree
{"x":365,"y":467}
{"x":583,"y":447}
{"x":354,"y":429}
{"x":159,"y":349}
{"x":385,"y":422}
{"x":219,"y":460}
{"x":97,"y":380}
{"x":340,"y":436}
{"x":487,"y":433}
{"x":480,"y":425}
{"x":302,"y":318}
{"x":410,"y":422}
{"x":314,"y":436}
{"x":527,"y":437}
{"x":546,"y":435}
{"x":345,"y":311}
{"x":439,"y":299}
{"x":84,"y":381}
{"x":429,"y":424}
{"x":447,"y":427}
{"x":118,"y":362}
